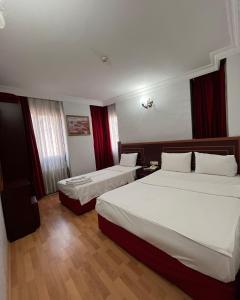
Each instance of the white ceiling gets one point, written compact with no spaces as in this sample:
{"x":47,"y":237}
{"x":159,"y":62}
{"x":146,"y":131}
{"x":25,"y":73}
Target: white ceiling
{"x":53,"y":47}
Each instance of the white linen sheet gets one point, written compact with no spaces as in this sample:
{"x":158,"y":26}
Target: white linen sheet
{"x":192,"y":217}
{"x":101,"y":182}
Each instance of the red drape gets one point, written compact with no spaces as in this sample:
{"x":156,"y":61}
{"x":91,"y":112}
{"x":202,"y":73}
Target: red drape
{"x":36,"y":171}
{"x":208,"y":101}
{"x":101,"y":137}
{"x":37,"y":176}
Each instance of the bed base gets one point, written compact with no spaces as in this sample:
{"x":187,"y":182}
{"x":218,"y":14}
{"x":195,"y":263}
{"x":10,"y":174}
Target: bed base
{"x":75,"y":205}
{"x":193,"y":283}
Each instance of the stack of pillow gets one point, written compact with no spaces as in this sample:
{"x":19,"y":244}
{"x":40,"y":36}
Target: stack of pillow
{"x":205,"y":163}
{"x":211,"y":164}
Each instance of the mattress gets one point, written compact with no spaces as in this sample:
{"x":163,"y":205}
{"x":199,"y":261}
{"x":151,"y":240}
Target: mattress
{"x":102,"y":181}
{"x":192,"y":217}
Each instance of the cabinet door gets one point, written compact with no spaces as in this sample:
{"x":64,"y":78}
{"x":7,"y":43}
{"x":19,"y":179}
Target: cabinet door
{"x":20,"y":212}
{"x":13,"y":149}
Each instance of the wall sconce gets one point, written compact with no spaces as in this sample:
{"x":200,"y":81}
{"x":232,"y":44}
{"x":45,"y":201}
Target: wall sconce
{"x":147,"y":103}
{"x":2,"y":20}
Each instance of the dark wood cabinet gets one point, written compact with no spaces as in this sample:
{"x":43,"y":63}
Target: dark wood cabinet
{"x":20,"y":207}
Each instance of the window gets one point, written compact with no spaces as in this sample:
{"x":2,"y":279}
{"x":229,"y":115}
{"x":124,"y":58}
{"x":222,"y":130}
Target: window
{"x":50,"y":132}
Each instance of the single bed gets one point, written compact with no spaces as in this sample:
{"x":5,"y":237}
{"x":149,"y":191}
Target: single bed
{"x":184,"y":226}
{"x":81,"y":198}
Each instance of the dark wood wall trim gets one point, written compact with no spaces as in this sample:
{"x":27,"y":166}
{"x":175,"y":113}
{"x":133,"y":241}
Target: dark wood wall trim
{"x":185,"y":141}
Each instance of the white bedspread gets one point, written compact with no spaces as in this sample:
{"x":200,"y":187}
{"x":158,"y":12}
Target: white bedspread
{"x":192,"y":217}
{"x":101,"y":182}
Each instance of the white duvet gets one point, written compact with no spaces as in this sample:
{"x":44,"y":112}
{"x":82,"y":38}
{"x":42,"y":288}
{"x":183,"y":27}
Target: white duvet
{"x":193,"y":217}
{"x":101,"y":181}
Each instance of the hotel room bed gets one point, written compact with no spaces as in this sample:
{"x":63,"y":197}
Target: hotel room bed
{"x":82,"y":197}
{"x":191,"y":218}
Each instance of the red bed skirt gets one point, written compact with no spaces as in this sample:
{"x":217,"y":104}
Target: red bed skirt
{"x":75,"y":205}
{"x":193,"y":283}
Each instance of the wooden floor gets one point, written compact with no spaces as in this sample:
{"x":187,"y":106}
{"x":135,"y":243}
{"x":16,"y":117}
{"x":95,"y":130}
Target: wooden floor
{"x":69,"y":258}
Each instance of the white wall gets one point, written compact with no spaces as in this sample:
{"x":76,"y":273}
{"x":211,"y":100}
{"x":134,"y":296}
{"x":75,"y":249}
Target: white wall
{"x":3,"y":258}
{"x":81,"y":150}
{"x":168,"y":119}
{"x":233,"y":93}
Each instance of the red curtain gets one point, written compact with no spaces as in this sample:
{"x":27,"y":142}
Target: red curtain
{"x":37,"y":176}
{"x":208,"y":100}
{"x":101,"y":137}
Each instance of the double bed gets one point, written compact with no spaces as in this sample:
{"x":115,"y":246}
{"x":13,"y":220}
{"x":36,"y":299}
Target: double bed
{"x":185,"y":226}
{"x":81,"y":198}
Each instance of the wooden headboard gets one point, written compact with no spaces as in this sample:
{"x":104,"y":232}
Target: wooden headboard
{"x":152,"y":150}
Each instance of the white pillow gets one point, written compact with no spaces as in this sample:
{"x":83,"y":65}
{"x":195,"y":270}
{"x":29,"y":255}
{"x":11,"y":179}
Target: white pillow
{"x":177,"y":162}
{"x":128,"y":160}
{"x":213,"y":164}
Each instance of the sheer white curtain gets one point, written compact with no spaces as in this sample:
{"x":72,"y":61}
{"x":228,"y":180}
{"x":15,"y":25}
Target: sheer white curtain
{"x":50,"y":132}
{"x":113,"y":126}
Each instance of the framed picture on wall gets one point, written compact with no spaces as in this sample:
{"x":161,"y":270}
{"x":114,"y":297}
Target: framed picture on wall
{"x":78,"y":125}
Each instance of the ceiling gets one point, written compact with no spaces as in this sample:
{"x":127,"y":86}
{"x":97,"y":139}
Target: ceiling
{"x":53,"y":47}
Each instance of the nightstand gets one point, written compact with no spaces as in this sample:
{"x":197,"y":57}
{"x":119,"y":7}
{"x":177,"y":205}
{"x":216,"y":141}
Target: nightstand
{"x":145,"y":171}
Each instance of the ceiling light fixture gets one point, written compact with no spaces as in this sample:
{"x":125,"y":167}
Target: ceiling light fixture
{"x":2,"y":20}
{"x":104,"y":59}
{"x":147,"y":103}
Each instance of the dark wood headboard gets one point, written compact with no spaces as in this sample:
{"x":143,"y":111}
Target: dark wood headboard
{"x":152,"y":150}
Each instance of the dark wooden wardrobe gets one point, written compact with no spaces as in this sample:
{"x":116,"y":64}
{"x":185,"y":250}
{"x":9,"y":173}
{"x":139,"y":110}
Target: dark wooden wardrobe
{"x":20,"y":207}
